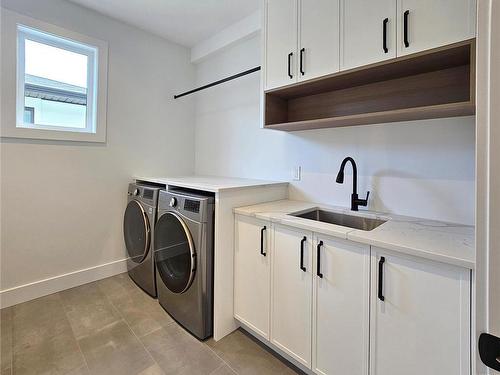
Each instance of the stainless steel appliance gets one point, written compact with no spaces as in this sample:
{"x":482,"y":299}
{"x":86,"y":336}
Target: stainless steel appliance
{"x":183,"y":252}
{"x":138,"y":231}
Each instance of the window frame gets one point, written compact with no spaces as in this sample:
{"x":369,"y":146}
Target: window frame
{"x":8,"y":62}
{"x":91,"y":52}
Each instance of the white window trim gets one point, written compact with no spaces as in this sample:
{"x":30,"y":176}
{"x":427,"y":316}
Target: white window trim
{"x":12,"y":124}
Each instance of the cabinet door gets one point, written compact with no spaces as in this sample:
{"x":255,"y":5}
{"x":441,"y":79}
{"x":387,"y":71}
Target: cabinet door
{"x":252,"y":273}
{"x":318,"y":48}
{"x":341,"y":307}
{"x":292,"y":293}
{"x":434,"y":23}
{"x":422,"y":326}
{"x":280,"y":42}
{"x":368,"y":32}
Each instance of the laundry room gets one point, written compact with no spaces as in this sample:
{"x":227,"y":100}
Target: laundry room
{"x":249,"y":187}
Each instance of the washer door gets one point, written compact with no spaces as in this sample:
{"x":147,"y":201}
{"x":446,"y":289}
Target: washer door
{"x":175,"y":255}
{"x":137,"y":231}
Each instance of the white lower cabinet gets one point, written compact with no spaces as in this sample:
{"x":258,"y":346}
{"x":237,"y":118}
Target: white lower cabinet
{"x":291,"y":293}
{"x":338,"y":307}
{"x":341,"y":307}
{"x":420,"y":316}
{"x":252,"y":273}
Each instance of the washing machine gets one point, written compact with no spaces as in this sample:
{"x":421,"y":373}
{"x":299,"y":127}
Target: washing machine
{"x":138,"y":231}
{"x":183,"y":252}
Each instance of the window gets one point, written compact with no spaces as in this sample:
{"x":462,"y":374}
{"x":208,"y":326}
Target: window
{"x":60,"y":86}
{"x":56,"y":82}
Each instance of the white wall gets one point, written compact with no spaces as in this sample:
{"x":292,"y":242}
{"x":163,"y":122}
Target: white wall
{"x":422,"y":168}
{"x":62,"y":202}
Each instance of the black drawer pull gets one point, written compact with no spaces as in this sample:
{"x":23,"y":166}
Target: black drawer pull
{"x":262,"y":240}
{"x":302,"y":51}
{"x":406,"y":14}
{"x":290,"y":65}
{"x":381,"y":279}
{"x":302,"y":242}
{"x":318,"y":256}
{"x":489,"y":350}
{"x":385,"y":35}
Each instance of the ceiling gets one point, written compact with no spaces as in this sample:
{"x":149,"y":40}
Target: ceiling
{"x":186,"y":22}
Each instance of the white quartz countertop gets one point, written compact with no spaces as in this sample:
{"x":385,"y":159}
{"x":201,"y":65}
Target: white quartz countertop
{"x":209,"y":183}
{"x":439,"y":241}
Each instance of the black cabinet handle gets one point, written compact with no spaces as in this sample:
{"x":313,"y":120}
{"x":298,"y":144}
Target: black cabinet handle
{"x":302,"y":61}
{"x":489,"y":350}
{"x":381,"y":279}
{"x":302,"y":242}
{"x":262,"y":240}
{"x":385,"y":35}
{"x":406,"y":14}
{"x":318,"y":256}
{"x":290,"y":65}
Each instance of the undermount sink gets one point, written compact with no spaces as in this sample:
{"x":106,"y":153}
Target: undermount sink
{"x":356,"y":222}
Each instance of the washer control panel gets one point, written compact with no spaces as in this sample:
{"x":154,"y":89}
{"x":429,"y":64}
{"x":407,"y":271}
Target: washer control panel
{"x":196,"y":207}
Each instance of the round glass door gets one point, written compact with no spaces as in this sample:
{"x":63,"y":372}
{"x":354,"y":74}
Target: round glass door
{"x":174,"y":253}
{"x":136,"y":231}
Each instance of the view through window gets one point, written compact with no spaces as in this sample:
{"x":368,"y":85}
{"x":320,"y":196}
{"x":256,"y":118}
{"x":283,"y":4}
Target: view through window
{"x":58,"y":77}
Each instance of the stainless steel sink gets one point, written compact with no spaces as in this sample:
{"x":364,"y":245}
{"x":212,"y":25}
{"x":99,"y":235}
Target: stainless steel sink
{"x":356,"y":222}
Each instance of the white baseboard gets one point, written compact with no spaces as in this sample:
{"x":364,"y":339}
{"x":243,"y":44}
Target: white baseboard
{"x":27,"y":292}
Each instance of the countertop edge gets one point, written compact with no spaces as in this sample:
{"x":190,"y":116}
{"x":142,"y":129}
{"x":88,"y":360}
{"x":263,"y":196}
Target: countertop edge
{"x":351,"y":235}
{"x":207,"y":187}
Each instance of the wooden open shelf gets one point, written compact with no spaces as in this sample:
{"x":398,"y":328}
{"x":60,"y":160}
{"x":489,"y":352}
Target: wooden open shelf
{"x":430,"y":84}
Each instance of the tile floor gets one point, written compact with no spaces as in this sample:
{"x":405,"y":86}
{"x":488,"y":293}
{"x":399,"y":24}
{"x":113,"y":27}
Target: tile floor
{"x":112,"y":327}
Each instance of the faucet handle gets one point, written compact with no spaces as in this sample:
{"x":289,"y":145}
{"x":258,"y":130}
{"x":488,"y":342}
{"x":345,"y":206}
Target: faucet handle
{"x":364,"y":202}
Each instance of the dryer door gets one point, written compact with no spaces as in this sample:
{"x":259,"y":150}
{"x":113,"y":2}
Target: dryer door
{"x":137,"y":231}
{"x":175,"y":255}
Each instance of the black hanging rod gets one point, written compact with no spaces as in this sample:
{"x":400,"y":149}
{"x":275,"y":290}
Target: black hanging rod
{"x":249,"y":71}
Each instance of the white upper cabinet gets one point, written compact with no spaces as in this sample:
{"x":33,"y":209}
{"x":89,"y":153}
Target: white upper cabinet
{"x":318,"y":48}
{"x":434,"y":23}
{"x":420,"y":316}
{"x":341,"y":307}
{"x":306,"y":39}
{"x":301,"y":40}
{"x":252,"y":273}
{"x":291,"y":293}
{"x":367,"y":32}
{"x":280,"y":42}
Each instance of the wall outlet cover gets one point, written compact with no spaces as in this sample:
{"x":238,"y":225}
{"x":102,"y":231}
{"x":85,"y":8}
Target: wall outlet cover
{"x":297,"y":173}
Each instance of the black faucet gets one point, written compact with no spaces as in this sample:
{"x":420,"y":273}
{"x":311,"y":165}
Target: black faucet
{"x":355,"y":201}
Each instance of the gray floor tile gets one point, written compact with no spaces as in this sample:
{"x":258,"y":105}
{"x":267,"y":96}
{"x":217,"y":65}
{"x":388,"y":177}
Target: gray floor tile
{"x":115,"y":350}
{"x":82,"y":370}
{"x":6,"y":341}
{"x":88,"y":309}
{"x":112,"y":327}
{"x":153,"y":370}
{"x":247,"y":357}
{"x":177,"y":352}
{"x":143,"y":313}
{"x":118,"y":286}
{"x":43,"y":342}
{"x":223,"y":370}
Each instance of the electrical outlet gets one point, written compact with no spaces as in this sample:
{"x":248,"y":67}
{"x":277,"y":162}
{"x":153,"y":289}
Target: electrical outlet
{"x":297,"y":171}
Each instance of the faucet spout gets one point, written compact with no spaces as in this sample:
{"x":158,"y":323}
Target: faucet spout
{"x":340,"y":175}
{"x":355,"y":201}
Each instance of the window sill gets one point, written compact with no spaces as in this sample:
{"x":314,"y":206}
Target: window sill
{"x":56,"y":135}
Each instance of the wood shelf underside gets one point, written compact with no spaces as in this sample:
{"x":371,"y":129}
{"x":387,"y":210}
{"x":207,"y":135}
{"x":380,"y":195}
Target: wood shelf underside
{"x":432,"y":84}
